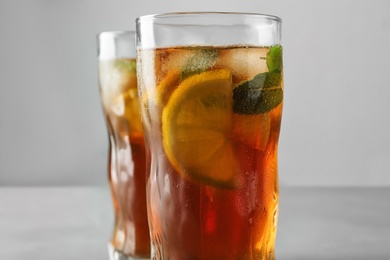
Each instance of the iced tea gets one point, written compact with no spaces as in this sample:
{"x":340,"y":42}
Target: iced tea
{"x":212,"y":117}
{"x":118,"y":86}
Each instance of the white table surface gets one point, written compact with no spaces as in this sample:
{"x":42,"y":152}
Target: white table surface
{"x":66,"y":223}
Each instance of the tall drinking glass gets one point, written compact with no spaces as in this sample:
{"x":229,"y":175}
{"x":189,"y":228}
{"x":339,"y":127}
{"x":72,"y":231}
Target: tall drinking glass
{"x":127,"y":165}
{"x":211,"y":95}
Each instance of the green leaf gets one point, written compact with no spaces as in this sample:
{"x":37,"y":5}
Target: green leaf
{"x":126,"y":65}
{"x":274,"y":59}
{"x":273,"y":79}
{"x":202,"y":60}
{"x":257,"y":96}
{"x":264,"y":92}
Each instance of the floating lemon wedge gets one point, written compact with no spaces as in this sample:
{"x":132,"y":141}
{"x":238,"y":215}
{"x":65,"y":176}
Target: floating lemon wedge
{"x":197,"y":129}
{"x":167,"y":86}
{"x":126,"y":105}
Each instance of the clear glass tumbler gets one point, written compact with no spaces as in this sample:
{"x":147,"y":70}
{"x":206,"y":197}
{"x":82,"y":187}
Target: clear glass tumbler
{"x":127,"y":163}
{"x":211,"y":97}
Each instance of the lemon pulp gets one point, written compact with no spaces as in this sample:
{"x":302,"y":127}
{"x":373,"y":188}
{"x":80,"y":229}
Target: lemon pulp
{"x":126,"y":105}
{"x":197,"y":127}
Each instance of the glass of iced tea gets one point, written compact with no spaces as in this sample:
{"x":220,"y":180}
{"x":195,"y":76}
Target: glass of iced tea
{"x":211,"y":96}
{"x":126,"y":160}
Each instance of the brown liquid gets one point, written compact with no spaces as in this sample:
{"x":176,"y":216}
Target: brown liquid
{"x":127,"y":165}
{"x":191,"y":219}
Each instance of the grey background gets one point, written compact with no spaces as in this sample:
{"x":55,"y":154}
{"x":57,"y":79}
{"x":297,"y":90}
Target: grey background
{"x":335,"y":123}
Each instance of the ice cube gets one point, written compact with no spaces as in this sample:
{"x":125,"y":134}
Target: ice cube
{"x":244,"y":62}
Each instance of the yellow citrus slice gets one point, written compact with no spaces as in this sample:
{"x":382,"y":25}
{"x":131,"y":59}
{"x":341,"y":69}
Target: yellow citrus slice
{"x":197,"y":127}
{"x":167,"y":86}
{"x":126,"y":105}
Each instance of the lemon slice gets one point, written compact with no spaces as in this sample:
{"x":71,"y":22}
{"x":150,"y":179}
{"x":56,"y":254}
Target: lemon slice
{"x":167,"y":86}
{"x":197,"y":127}
{"x":126,"y":105}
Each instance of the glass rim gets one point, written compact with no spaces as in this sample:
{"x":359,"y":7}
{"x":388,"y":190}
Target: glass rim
{"x":115,"y":33}
{"x":154,"y":17}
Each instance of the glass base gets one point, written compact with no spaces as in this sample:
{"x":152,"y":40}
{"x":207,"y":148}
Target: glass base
{"x":117,"y":255}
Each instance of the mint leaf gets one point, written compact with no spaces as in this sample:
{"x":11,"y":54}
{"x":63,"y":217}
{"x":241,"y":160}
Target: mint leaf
{"x":126,"y":65}
{"x":202,"y":60}
{"x":264,"y":92}
{"x":259,"y":95}
{"x":274,"y":59}
{"x":273,"y":79}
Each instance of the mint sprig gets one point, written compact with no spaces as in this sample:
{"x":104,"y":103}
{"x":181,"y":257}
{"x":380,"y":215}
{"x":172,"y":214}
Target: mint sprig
{"x":264,"y":92}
